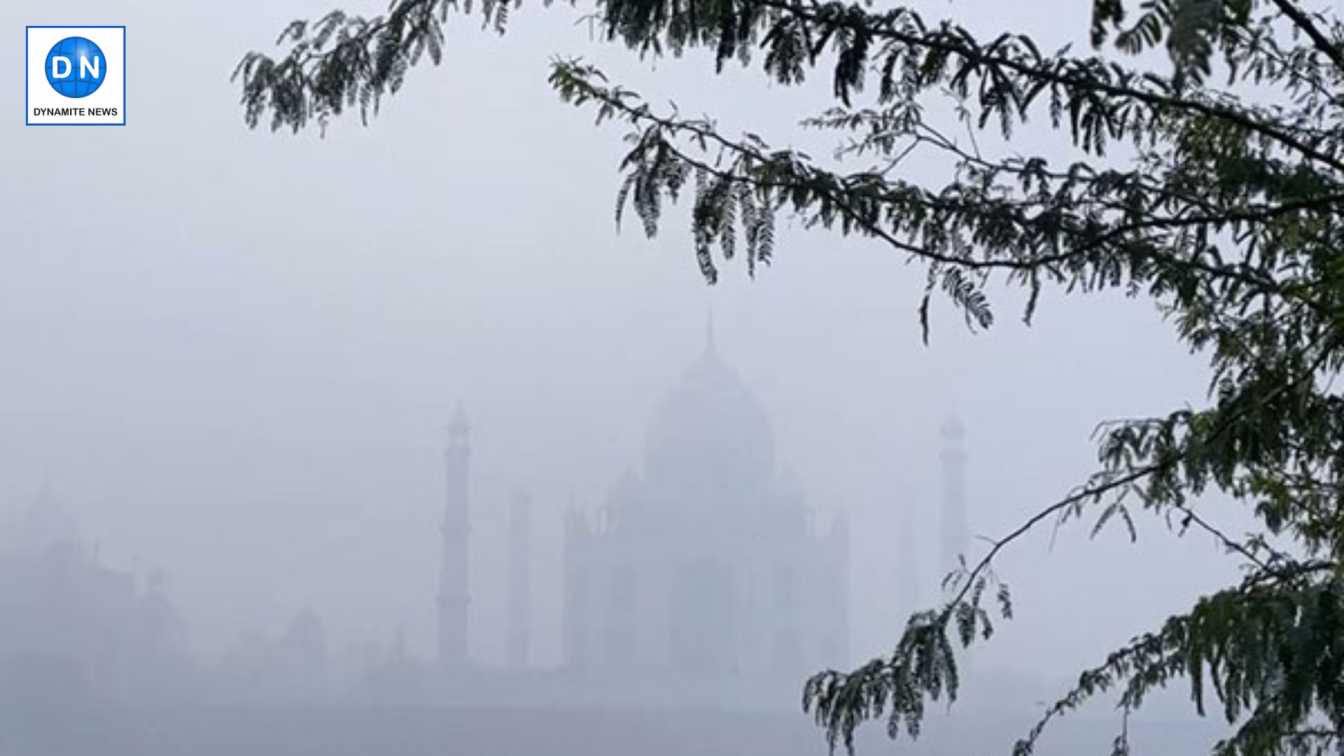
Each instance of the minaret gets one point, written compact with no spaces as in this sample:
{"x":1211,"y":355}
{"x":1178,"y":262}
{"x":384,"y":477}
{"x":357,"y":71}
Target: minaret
{"x":908,"y":560}
{"x":520,"y":579}
{"x":956,"y":533}
{"x":578,"y":536}
{"x":454,"y":570}
{"x":839,"y":538}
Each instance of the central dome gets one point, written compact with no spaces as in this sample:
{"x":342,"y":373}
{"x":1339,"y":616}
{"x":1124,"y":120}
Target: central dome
{"x":710,"y":434}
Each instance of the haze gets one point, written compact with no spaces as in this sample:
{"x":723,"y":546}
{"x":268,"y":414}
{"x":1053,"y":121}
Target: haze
{"x":232,"y":356}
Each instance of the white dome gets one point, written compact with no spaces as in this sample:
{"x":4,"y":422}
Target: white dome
{"x":710,"y":433}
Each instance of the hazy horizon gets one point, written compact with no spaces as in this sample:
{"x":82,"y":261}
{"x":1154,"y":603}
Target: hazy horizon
{"x":236,"y":361}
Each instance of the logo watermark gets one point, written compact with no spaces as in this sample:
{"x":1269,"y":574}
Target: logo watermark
{"x":76,"y":76}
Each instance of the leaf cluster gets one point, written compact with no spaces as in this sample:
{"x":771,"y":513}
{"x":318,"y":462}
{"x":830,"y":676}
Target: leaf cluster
{"x":1222,"y":207}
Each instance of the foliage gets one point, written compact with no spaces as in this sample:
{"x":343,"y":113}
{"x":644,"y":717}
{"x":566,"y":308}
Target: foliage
{"x":1223,"y":208}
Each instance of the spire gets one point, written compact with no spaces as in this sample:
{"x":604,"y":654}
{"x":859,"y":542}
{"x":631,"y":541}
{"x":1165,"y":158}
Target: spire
{"x":956,"y":532}
{"x":458,"y":427}
{"x":710,"y":347}
{"x":455,"y":564}
{"x":520,"y":582}
{"x":953,"y":429}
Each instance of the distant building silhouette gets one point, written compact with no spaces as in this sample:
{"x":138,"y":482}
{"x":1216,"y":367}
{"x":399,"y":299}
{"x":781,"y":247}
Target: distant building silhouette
{"x":705,"y":564}
{"x":520,"y":580}
{"x":702,"y":579}
{"x":73,"y":629}
{"x":292,"y":667}
{"x":955,"y":531}
{"x":454,"y":570}
{"x":38,"y":527}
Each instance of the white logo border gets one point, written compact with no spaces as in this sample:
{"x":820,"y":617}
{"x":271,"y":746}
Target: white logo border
{"x":27,"y":108}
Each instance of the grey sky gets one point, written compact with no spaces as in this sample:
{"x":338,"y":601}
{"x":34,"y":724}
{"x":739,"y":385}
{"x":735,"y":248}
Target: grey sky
{"x":233,"y":353}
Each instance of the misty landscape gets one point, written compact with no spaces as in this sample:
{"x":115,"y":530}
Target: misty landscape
{"x":334,"y":430}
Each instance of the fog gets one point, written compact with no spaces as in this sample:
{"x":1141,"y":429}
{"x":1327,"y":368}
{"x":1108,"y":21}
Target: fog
{"x":231,"y":359}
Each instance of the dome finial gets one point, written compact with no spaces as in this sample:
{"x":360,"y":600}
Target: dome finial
{"x":953,"y":430}
{"x":709,"y":330}
{"x":458,"y":427}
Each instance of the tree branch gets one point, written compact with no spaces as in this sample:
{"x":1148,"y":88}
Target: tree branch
{"x":856,"y":18}
{"x":1303,"y":21}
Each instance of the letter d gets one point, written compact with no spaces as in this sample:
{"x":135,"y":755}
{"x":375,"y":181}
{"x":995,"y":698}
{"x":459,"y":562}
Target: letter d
{"x":56,"y":71}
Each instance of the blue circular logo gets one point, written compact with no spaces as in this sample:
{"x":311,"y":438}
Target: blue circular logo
{"x":76,"y":67}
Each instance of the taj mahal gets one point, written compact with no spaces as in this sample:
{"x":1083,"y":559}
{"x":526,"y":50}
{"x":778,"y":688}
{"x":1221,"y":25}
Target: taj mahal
{"x":703,"y":582}
{"x":705,"y":573}
{"x":703,"y":578}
